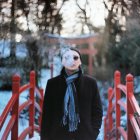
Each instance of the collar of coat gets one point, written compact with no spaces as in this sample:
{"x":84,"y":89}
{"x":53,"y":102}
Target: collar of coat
{"x":63,"y":72}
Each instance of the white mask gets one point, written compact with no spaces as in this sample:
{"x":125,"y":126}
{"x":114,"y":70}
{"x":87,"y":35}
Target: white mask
{"x":71,"y":60}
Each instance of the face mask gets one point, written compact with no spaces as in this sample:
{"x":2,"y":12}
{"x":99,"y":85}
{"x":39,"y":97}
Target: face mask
{"x":71,"y":60}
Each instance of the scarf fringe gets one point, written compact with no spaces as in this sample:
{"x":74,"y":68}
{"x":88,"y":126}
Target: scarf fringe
{"x":70,"y":117}
{"x":73,"y":122}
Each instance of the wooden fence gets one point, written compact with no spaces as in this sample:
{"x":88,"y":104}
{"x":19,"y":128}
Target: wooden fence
{"x":13,"y":108}
{"x":116,"y":107}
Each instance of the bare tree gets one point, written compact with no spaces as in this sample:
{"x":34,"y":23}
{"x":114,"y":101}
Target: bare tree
{"x":13,"y":29}
{"x":85,"y":19}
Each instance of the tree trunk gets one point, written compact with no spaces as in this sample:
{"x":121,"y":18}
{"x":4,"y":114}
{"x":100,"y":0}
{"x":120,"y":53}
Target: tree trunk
{"x":13,"y":29}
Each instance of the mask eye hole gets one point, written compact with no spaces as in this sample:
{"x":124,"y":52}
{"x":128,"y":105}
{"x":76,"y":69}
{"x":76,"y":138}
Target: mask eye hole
{"x":75,"y":57}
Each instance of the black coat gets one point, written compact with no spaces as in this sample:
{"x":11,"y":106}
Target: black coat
{"x":90,"y":110}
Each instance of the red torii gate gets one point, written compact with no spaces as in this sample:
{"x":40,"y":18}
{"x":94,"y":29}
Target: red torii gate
{"x":84,"y":39}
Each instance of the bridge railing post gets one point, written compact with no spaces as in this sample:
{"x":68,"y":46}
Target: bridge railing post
{"x":110,"y":92}
{"x":41,"y":104}
{"x":117,"y":78}
{"x":130,"y":90}
{"x":15,"y":90}
{"x":32,"y":106}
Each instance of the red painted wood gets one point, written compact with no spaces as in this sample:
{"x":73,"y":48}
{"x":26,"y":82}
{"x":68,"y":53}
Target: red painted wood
{"x":122,"y":104}
{"x":25,"y":133}
{"x":130,"y":89}
{"x":39,"y":93}
{"x":7,"y":109}
{"x":15,"y":90}
{"x":135,"y":126}
{"x":117,"y":78}
{"x":13,"y":106}
{"x":73,"y":40}
{"x":37,"y":128}
{"x":91,"y":51}
{"x":32,"y":108}
{"x":122,"y":132}
{"x":112,"y":109}
{"x":122,"y":88}
{"x":24,"y":105}
{"x":24,"y":87}
{"x":112,"y":95}
{"x":37,"y":106}
{"x":9,"y":127}
{"x":131,"y":107}
{"x":41,"y":105}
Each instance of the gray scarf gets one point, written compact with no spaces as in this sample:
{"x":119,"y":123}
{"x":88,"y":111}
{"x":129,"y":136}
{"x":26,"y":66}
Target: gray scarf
{"x":71,"y":116}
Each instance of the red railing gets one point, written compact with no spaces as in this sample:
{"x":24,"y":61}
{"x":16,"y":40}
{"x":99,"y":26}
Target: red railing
{"x":112,"y":121}
{"x":14,"y":108}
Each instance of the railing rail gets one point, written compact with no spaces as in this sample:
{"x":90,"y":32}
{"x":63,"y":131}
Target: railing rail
{"x":14,"y":109}
{"x":112,"y":126}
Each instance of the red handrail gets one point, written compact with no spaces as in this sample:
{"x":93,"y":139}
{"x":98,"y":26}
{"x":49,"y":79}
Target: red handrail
{"x":14,"y":108}
{"x":112,"y":126}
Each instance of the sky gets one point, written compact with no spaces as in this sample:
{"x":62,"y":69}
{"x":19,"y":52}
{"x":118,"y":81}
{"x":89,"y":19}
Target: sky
{"x":96,"y":11}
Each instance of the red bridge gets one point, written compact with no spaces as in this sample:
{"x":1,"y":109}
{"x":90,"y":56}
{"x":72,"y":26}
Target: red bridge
{"x":112,"y":125}
{"x":15,"y":109}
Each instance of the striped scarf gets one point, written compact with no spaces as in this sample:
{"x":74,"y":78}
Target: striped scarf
{"x":71,"y":115}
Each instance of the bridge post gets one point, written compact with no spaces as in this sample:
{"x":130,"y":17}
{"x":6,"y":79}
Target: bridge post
{"x":117,"y":78}
{"x":32,"y":106}
{"x":15,"y":90}
{"x":130,"y":90}
{"x":41,"y":104}
{"x":90,"y":59}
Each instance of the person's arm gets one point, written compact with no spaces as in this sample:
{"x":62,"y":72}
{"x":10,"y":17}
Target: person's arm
{"x":97,"y":111}
{"x":46,"y":114}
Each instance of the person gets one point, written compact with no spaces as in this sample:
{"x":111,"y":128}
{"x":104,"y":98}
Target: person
{"x":72,"y":108}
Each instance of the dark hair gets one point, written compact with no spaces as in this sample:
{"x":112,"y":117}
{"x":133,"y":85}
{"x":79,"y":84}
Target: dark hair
{"x":76,"y":50}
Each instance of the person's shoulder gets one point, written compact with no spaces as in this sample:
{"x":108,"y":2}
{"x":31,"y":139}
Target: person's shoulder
{"x":89,"y":78}
{"x":54,"y":79}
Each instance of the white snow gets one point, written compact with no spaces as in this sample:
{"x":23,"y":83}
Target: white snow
{"x":21,"y":50}
{"x":4,"y":48}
